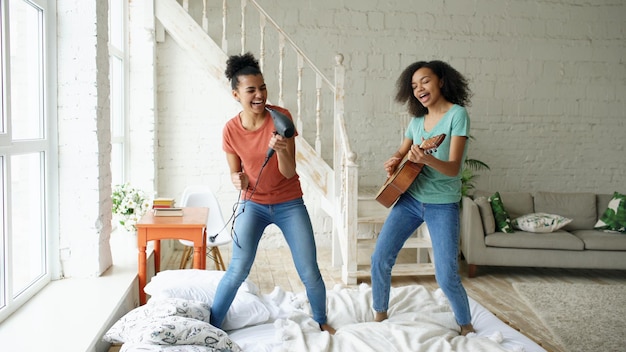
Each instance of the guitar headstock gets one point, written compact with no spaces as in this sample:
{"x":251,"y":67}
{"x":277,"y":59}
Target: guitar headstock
{"x":430,"y":145}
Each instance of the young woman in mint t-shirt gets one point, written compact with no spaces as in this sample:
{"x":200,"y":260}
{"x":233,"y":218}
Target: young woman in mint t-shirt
{"x":436,"y":95}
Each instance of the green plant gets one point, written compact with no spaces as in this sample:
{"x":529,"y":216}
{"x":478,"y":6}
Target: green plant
{"x":467,"y":174}
{"x":129,"y":205}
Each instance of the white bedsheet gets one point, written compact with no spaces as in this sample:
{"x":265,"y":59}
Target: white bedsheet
{"x":419,"y":320}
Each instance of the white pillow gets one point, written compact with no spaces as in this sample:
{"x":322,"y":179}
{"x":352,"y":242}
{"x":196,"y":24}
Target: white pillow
{"x":202,"y":279}
{"x":540,"y":222}
{"x":127,"y":325}
{"x":200,"y":285}
{"x":486,"y":214}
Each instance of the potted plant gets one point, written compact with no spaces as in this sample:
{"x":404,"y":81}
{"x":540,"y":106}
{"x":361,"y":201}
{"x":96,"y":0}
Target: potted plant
{"x":129,"y":205}
{"x":468,"y":175}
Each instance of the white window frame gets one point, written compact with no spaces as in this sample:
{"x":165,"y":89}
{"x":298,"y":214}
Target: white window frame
{"x":48,"y":146}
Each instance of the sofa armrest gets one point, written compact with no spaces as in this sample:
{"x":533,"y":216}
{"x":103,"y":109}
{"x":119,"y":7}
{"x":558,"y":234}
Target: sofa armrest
{"x":472,"y":232}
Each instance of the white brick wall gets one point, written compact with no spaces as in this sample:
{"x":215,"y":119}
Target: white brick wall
{"x":84,"y":138}
{"x":547,"y":76}
{"x":548,"y":79}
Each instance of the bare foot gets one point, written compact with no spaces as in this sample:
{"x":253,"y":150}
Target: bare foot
{"x":466,"y":329}
{"x":380,"y":316}
{"x":328,"y":328}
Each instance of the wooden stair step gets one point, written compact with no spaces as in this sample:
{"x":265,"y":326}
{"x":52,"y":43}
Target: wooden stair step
{"x":413,"y":242}
{"x":370,"y":211}
{"x":417,"y":269}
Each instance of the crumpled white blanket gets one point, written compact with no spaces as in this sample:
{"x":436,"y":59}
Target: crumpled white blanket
{"x":419,"y":321}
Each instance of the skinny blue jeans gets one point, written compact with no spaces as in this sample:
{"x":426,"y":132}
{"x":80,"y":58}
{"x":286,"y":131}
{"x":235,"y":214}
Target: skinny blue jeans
{"x":292,"y":218}
{"x":443,"y":225}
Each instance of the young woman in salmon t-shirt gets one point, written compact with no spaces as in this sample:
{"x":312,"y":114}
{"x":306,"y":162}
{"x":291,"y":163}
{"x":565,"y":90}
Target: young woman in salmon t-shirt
{"x":270,"y":191}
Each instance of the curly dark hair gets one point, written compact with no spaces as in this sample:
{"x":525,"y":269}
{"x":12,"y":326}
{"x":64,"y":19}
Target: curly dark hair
{"x":455,"y":86}
{"x":241,"y":65}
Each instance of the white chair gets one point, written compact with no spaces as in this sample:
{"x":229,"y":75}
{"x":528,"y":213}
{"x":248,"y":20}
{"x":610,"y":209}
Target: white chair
{"x":202,"y":196}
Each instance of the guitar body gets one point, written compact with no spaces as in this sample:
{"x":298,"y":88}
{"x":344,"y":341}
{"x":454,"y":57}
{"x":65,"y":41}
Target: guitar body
{"x":398,"y":183}
{"x":406,"y":172}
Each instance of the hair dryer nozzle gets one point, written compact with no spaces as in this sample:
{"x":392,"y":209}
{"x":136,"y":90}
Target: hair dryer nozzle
{"x":284,"y":125}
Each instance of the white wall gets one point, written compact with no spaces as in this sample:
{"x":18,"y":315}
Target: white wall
{"x":548,"y":80}
{"x":547,"y":76}
{"x":84,"y":138}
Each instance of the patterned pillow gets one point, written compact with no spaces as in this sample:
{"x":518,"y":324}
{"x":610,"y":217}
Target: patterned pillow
{"x":540,"y":222}
{"x":503,"y":222}
{"x":170,"y":321}
{"x":182,"y":331}
{"x":614,"y":217}
{"x":136,"y":319}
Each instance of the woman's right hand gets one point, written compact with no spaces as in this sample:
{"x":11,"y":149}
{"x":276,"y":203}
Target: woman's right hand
{"x":391,"y":164}
{"x":240,"y":180}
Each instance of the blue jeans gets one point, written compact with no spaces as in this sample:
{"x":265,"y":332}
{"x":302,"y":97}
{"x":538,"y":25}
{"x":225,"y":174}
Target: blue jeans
{"x":293,"y":220}
{"x":443,"y":224}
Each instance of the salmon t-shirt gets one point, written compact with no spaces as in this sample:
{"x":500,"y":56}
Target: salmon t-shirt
{"x":251,"y":147}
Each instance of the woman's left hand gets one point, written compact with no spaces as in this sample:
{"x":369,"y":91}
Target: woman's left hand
{"x":417,"y":155}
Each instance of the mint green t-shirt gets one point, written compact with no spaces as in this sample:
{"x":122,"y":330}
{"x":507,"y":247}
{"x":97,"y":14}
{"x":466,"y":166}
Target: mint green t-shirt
{"x":431,"y":186}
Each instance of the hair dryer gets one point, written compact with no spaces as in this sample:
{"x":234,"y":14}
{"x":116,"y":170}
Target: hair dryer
{"x":284,"y":127}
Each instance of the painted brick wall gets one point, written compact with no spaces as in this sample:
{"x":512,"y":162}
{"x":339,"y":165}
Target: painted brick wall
{"x":547,"y":76}
{"x":84,"y":138}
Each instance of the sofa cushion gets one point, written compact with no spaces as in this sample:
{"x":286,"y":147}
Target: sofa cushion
{"x":580,"y":207}
{"x":503,"y":221}
{"x":614,"y":217}
{"x":540,"y":222}
{"x":515,"y":203}
{"x":521,"y":239}
{"x":602,"y":202}
{"x":486,"y":215}
{"x":602,"y":241}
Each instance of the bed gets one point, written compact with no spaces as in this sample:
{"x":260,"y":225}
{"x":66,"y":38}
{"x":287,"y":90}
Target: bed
{"x":175,"y":319}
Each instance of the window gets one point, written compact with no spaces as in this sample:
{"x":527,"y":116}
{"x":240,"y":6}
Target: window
{"x":117,"y":50}
{"x":25,"y":153}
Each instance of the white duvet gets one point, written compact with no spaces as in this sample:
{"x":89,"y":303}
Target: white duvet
{"x":419,"y":321}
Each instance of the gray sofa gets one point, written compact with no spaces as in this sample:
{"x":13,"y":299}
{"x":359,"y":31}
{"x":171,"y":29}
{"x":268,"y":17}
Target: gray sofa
{"x":577,"y":245}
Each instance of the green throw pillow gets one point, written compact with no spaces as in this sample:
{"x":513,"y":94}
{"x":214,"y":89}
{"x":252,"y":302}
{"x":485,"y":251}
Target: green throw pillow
{"x":614,"y":217}
{"x":503,"y":222}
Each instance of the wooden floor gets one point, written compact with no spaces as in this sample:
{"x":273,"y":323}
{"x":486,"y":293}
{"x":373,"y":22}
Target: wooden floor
{"x":492,"y":288}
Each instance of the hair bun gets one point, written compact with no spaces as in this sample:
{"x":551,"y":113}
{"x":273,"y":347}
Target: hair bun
{"x":236,"y":63}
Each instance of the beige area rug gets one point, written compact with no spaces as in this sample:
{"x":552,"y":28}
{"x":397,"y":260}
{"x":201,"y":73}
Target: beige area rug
{"x":583,"y":317}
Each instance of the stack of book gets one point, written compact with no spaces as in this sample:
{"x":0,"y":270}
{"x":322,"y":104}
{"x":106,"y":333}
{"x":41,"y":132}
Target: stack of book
{"x":159,"y":203}
{"x":168,"y":211}
{"x":165,"y":207}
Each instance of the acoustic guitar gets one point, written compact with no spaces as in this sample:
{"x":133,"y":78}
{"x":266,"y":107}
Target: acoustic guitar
{"x":406,"y":172}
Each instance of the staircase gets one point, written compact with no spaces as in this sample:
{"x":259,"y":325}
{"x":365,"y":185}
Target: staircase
{"x":357,"y":217}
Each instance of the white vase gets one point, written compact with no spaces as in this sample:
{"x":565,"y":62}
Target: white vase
{"x":128,"y":238}
{"x":132,"y":237}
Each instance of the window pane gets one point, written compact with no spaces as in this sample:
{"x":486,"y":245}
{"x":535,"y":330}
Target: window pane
{"x":3,"y":299}
{"x":26,"y":73}
{"x":117,"y":119}
{"x":117,"y":97}
{"x":2,"y":90}
{"x":116,"y":15}
{"x":27,"y":225}
{"x":117,"y":163}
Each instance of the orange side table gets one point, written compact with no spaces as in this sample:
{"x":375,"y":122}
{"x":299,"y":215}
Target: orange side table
{"x":191,"y":226}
